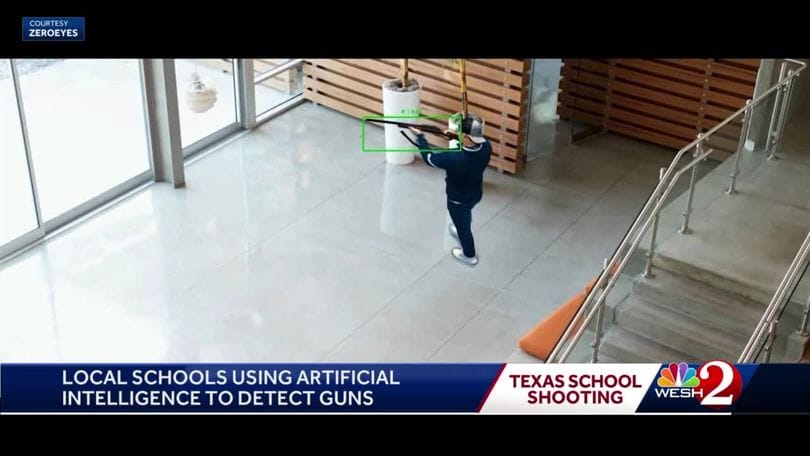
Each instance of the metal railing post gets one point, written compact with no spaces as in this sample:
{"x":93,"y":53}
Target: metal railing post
{"x":777,"y":105}
{"x":802,"y":331}
{"x":688,"y":211}
{"x":779,"y":299}
{"x":600,"y":316}
{"x":648,"y":274}
{"x":780,"y":128}
{"x":746,"y":127}
{"x":771,"y":339}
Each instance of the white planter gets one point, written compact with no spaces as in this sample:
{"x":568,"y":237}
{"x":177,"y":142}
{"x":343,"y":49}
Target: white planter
{"x":397,"y":192}
{"x":396,"y":103}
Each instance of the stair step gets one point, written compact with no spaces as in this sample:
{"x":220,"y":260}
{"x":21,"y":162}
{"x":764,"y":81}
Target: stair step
{"x":718,"y":308}
{"x":587,"y":359}
{"x":793,"y":310}
{"x":604,"y":359}
{"x":688,"y":335}
{"x":710,"y":278}
{"x":628,"y":347}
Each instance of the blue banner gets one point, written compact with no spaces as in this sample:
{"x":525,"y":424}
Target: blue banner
{"x":782,"y":388}
{"x":245,"y":388}
{"x":714,"y":386}
{"x":53,"y":29}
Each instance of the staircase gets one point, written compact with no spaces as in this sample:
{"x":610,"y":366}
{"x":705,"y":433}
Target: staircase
{"x":675,"y":318}
{"x":743,"y":249}
{"x":711,"y":287}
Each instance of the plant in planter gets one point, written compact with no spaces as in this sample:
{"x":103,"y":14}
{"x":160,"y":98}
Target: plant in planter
{"x":401,"y":97}
{"x":403,"y":72}
{"x":461,"y":66}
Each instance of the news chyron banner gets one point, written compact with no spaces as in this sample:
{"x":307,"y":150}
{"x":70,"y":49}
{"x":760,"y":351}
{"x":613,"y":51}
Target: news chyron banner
{"x":716,"y":387}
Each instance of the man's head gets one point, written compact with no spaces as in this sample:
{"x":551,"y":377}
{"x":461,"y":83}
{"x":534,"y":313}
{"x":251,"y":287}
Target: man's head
{"x":472,"y":126}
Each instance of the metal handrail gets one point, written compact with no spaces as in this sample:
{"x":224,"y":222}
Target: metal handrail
{"x":779,"y":300}
{"x":277,"y":70}
{"x":648,"y":214}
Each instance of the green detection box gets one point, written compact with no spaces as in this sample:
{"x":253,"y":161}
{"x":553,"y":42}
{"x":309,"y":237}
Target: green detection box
{"x":405,"y":118}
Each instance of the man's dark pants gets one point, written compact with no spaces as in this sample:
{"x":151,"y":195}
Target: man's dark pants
{"x":461,"y":214}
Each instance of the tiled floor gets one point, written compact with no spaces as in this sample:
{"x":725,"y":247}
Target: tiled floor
{"x":291,"y":244}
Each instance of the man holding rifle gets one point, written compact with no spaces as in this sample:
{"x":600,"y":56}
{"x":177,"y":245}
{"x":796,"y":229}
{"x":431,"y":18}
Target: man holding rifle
{"x":465,"y":175}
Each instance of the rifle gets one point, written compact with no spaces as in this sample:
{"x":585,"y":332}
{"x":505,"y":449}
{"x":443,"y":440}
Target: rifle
{"x":423,"y":127}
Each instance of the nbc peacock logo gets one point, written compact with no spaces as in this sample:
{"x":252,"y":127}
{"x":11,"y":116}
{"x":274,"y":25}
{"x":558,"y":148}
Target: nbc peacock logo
{"x":678,"y":376}
{"x":678,"y":381}
{"x":716,"y":383}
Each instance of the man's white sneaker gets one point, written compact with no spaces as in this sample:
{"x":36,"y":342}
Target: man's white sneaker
{"x":458,"y":254}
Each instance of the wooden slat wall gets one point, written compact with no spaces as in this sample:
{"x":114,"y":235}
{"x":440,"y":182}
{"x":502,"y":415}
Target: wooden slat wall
{"x":497,"y":91}
{"x":665,"y":101}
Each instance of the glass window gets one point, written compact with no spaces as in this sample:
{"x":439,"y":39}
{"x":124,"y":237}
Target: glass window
{"x":17,"y":214}
{"x":86,"y":127}
{"x":278,"y":89}
{"x":207,"y":97}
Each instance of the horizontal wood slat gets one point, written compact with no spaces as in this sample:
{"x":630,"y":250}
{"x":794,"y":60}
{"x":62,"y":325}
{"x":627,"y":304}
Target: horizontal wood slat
{"x":722,"y":69}
{"x":739,"y":89}
{"x":747,"y":64}
{"x":333,"y":73}
{"x":349,"y":96}
{"x":665,"y":70}
{"x":516,"y":65}
{"x":496,"y":75}
{"x":665,"y":101}
{"x":646,"y":134}
{"x":583,"y":104}
{"x":497,"y":91}
{"x":449,"y":75}
{"x":654,"y":109}
{"x":658,"y":82}
{"x":580,"y":116}
{"x":475,"y":99}
{"x":656,"y":96}
{"x":667,"y":77}
{"x":660,"y":126}
{"x":673,"y":71}
{"x":581,"y":90}
{"x":570,"y":74}
{"x":586,"y":67}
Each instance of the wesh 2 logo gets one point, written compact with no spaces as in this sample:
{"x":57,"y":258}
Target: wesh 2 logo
{"x":716,"y":384}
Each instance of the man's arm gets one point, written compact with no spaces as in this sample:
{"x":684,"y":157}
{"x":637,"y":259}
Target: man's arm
{"x":447,"y":160}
